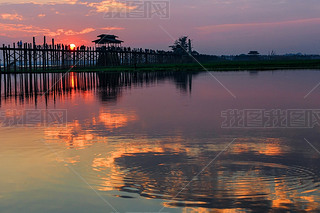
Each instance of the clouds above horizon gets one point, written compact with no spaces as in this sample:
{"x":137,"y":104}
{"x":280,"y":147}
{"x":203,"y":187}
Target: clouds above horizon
{"x":216,"y":26}
{"x":29,"y":30}
{"x":11,"y":16}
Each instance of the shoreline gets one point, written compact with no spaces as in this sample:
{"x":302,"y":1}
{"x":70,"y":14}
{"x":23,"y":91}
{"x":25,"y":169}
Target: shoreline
{"x":219,"y":66}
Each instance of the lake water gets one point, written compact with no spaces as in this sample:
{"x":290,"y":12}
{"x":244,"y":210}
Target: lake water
{"x":160,"y":142}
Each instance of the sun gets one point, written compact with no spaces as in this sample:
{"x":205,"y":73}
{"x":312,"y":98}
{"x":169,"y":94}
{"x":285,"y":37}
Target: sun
{"x":72,"y":46}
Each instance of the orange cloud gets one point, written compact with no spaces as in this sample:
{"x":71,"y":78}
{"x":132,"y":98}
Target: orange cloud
{"x":23,"y":29}
{"x":112,"y":28}
{"x":9,"y":16}
{"x":98,"y":7}
{"x":110,"y":5}
{"x":71,"y":1}
{"x":41,"y":15}
{"x":84,"y":31}
{"x":10,"y":30}
{"x":42,"y":2}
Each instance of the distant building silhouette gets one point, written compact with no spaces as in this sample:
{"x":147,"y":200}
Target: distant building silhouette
{"x":253,"y":53}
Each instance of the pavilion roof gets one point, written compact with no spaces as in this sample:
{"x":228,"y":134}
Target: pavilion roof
{"x":107,"y":39}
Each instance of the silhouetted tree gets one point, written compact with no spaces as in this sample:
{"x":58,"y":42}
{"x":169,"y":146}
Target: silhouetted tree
{"x":181,"y":46}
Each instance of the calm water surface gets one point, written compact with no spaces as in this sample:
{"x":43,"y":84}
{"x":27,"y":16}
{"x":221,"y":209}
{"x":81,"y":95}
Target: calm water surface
{"x":153,"y":142}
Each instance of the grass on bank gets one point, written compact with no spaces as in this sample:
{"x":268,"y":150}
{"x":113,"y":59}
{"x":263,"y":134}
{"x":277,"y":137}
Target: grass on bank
{"x":212,"y":66}
{"x":216,"y":66}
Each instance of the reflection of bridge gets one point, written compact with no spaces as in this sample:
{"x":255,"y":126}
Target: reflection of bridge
{"x":30,"y":87}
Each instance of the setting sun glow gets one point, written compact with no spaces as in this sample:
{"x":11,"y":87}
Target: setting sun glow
{"x":72,"y":46}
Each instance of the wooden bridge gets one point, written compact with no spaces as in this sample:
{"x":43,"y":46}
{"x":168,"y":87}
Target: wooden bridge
{"x":29,"y":57}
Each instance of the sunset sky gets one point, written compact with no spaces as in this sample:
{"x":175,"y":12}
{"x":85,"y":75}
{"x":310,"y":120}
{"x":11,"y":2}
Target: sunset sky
{"x":215,"y":26}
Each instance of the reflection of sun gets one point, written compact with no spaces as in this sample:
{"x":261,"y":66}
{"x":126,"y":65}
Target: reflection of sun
{"x":72,"y":79}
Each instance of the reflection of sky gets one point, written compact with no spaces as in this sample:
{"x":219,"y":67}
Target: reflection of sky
{"x":217,"y":26}
{"x":150,"y":142}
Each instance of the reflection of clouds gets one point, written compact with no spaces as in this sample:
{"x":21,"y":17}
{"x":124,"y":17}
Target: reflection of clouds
{"x":205,"y":210}
{"x":157,"y":167}
{"x":100,"y":164}
{"x":69,"y":160}
{"x":285,"y":200}
{"x":264,"y":146}
{"x":81,"y":135}
{"x":108,"y":163}
{"x":154,"y":169}
{"x":74,"y":136}
{"x":113,"y":120}
{"x":132,"y":149}
{"x":313,"y":202}
{"x":12,"y":113}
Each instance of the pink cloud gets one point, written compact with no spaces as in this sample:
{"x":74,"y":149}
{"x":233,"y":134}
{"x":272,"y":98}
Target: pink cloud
{"x":84,"y":31}
{"x":14,"y":16}
{"x":10,"y":30}
{"x":109,"y":5}
{"x":112,"y":28}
